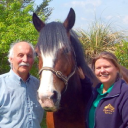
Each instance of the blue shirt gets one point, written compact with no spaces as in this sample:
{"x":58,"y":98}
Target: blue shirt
{"x":19,"y":107}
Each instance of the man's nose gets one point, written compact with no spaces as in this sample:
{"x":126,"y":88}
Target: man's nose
{"x":25,"y":58}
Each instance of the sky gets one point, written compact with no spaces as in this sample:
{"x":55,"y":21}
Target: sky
{"x":113,"y":12}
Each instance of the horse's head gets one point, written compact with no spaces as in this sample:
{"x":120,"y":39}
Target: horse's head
{"x":56,"y":59}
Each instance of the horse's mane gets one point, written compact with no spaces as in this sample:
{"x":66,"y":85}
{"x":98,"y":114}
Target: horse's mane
{"x":80,"y":57}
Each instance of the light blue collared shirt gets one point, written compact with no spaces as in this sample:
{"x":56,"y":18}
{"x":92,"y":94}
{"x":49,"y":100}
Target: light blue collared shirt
{"x":19,"y":107}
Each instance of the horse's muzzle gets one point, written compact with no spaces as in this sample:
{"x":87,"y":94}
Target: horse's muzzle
{"x":49,"y":101}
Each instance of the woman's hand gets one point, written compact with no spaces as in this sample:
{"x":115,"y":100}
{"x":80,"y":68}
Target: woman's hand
{"x":81,"y":74}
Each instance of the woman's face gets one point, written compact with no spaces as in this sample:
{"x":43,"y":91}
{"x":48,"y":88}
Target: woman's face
{"x":105,"y":71}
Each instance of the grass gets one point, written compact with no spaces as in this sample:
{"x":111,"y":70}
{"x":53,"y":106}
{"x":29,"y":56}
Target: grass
{"x":43,"y":123}
{"x":99,"y":37}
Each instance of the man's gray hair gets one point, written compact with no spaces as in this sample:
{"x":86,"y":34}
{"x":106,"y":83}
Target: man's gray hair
{"x":10,"y":53}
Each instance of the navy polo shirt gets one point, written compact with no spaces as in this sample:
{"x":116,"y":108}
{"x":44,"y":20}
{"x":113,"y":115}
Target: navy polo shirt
{"x":100,"y":96}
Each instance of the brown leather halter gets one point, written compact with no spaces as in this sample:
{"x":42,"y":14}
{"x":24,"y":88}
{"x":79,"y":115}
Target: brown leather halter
{"x":59,"y":74}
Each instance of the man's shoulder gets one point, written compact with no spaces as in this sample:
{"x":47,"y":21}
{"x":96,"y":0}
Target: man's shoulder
{"x":34,"y":79}
{"x":3,"y":75}
{"x":3,"y":78}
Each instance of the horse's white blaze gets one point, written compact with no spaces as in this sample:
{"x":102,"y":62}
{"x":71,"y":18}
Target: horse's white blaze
{"x":46,"y":83}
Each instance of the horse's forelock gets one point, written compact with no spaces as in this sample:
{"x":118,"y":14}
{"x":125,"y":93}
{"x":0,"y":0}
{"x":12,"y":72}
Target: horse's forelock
{"x":53,"y":36}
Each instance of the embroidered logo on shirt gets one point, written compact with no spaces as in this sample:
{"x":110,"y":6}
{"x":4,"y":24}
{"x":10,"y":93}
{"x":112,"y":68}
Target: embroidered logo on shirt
{"x":109,"y":109}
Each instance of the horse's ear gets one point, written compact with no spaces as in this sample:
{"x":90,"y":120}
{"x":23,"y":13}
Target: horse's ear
{"x":70,"y":20}
{"x":39,"y":24}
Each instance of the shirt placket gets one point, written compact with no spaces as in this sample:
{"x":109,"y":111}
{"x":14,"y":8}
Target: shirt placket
{"x":29,"y":110}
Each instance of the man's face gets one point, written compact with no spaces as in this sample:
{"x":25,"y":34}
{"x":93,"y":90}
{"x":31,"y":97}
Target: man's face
{"x":22,"y":54}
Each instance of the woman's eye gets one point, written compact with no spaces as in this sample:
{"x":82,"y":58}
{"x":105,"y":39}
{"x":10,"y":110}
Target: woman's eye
{"x":97,"y":68}
{"x":106,"y":66}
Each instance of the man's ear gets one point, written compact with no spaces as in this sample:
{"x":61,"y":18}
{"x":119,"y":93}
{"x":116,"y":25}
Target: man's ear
{"x":10,"y":59}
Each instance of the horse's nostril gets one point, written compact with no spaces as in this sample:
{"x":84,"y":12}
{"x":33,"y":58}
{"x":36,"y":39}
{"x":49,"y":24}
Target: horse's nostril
{"x":54,"y":96}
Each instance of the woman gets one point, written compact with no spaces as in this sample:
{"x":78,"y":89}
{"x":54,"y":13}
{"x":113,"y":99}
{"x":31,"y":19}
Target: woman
{"x":108,"y":106}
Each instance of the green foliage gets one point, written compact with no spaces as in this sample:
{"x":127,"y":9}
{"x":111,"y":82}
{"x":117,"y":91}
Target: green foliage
{"x":99,"y":38}
{"x":15,"y":25}
{"x":43,"y":7}
{"x":121,"y":53}
{"x":23,"y":2}
{"x":43,"y":123}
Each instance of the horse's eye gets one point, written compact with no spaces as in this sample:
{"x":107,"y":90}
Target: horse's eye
{"x":66,"y":50}
{"x":36,"y":54}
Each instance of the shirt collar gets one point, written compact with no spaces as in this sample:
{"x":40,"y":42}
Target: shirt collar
{"x":16,"y":77}
{"x":100,"y":89}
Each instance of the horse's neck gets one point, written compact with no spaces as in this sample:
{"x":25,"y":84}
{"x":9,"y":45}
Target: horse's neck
{"x":72,"y":98}
{"x":71,"y":112}
{"x":72,"y":108}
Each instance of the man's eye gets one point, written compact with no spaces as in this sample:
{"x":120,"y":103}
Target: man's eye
{"x":29,"y":56}
{"x":20,"y":55}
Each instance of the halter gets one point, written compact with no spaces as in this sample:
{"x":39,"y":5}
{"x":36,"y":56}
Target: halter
{"x":59,"y":74}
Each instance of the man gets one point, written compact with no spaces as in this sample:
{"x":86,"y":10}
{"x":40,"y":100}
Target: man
{"x":19,"y":107}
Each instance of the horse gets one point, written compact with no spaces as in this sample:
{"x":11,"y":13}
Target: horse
{"x":60,"y":55}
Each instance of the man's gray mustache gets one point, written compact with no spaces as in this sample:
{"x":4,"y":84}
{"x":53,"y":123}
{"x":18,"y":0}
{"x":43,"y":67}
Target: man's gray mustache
{"x":24,"y":64}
